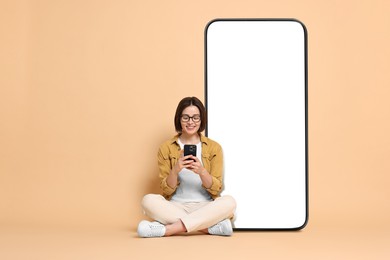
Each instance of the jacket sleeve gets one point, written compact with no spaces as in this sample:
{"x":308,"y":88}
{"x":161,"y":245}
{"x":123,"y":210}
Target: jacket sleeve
{"x":165,"y":166}
{"x":216,"y":169}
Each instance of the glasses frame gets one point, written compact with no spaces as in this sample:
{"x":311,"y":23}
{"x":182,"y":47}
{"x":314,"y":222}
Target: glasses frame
{"x":189,"y":118}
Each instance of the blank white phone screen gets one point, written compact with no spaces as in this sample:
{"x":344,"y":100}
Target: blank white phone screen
{"x":256,"y":99}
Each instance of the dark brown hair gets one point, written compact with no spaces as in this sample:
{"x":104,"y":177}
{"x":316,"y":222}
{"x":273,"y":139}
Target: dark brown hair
{"x":186,"y":102}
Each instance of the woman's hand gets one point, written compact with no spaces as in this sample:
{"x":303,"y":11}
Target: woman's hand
{"x":182,"y":162}
{"x":195,"y":165}
{"x":192,"y":163}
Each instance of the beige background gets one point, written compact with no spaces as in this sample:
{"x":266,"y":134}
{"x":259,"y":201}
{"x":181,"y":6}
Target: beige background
{"x":88,"y":91}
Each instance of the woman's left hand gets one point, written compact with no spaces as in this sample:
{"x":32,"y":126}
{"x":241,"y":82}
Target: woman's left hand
{"x":196,"y":165}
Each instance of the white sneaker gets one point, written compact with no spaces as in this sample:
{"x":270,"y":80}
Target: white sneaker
{"x":223,"y":228}
{"x":150,"y":229}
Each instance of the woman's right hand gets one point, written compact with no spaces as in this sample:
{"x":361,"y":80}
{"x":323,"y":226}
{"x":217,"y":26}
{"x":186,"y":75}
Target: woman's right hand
{"x":182,"y":162}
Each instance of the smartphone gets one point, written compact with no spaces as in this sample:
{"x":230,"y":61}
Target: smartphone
{"x":189,"y":149}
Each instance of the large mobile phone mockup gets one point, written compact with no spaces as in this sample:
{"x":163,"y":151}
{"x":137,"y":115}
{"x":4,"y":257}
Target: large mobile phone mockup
{"x":256,"y":100}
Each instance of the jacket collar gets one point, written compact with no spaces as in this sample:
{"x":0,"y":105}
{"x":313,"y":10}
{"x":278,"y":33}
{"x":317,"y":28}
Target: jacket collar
{"x":203,"y":139}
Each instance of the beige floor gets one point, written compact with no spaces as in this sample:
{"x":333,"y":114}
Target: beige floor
{"x":314,"y":242}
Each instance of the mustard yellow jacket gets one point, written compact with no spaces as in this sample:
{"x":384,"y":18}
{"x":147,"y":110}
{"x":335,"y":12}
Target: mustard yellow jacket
{"x":212,"y":159}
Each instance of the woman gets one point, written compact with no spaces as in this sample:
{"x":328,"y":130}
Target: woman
{"x":191,"y":185}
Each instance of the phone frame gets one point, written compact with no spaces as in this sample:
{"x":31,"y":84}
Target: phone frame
{"x":189,"y":146}
{"x":306,"y":109}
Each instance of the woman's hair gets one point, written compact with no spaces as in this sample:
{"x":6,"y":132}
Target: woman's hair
{"x":186,"y":102}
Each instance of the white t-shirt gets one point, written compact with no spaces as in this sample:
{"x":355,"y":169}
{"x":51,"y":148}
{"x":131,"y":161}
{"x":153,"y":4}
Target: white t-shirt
{"x":190,"y":188}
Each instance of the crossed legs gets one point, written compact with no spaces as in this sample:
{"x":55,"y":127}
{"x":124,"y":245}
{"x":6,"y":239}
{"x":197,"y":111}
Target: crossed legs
{"x":187,"y":217}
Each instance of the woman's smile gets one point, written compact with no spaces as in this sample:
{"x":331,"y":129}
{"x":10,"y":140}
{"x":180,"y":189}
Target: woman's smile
{"x":190,"y":127}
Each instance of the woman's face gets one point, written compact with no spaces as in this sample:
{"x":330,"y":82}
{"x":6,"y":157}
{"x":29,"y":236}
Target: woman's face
{"x":189,"y":127}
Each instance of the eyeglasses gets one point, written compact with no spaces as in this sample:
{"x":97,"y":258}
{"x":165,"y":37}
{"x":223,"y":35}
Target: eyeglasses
{"x":186,"y":118}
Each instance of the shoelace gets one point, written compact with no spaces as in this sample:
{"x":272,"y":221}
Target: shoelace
{"x":220,"y":227}
{"x":217,"y":227}
{"x":154,"y":227}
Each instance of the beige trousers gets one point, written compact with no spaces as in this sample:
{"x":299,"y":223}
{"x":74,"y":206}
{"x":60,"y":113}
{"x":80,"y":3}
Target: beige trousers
{"x":194,"y":215}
